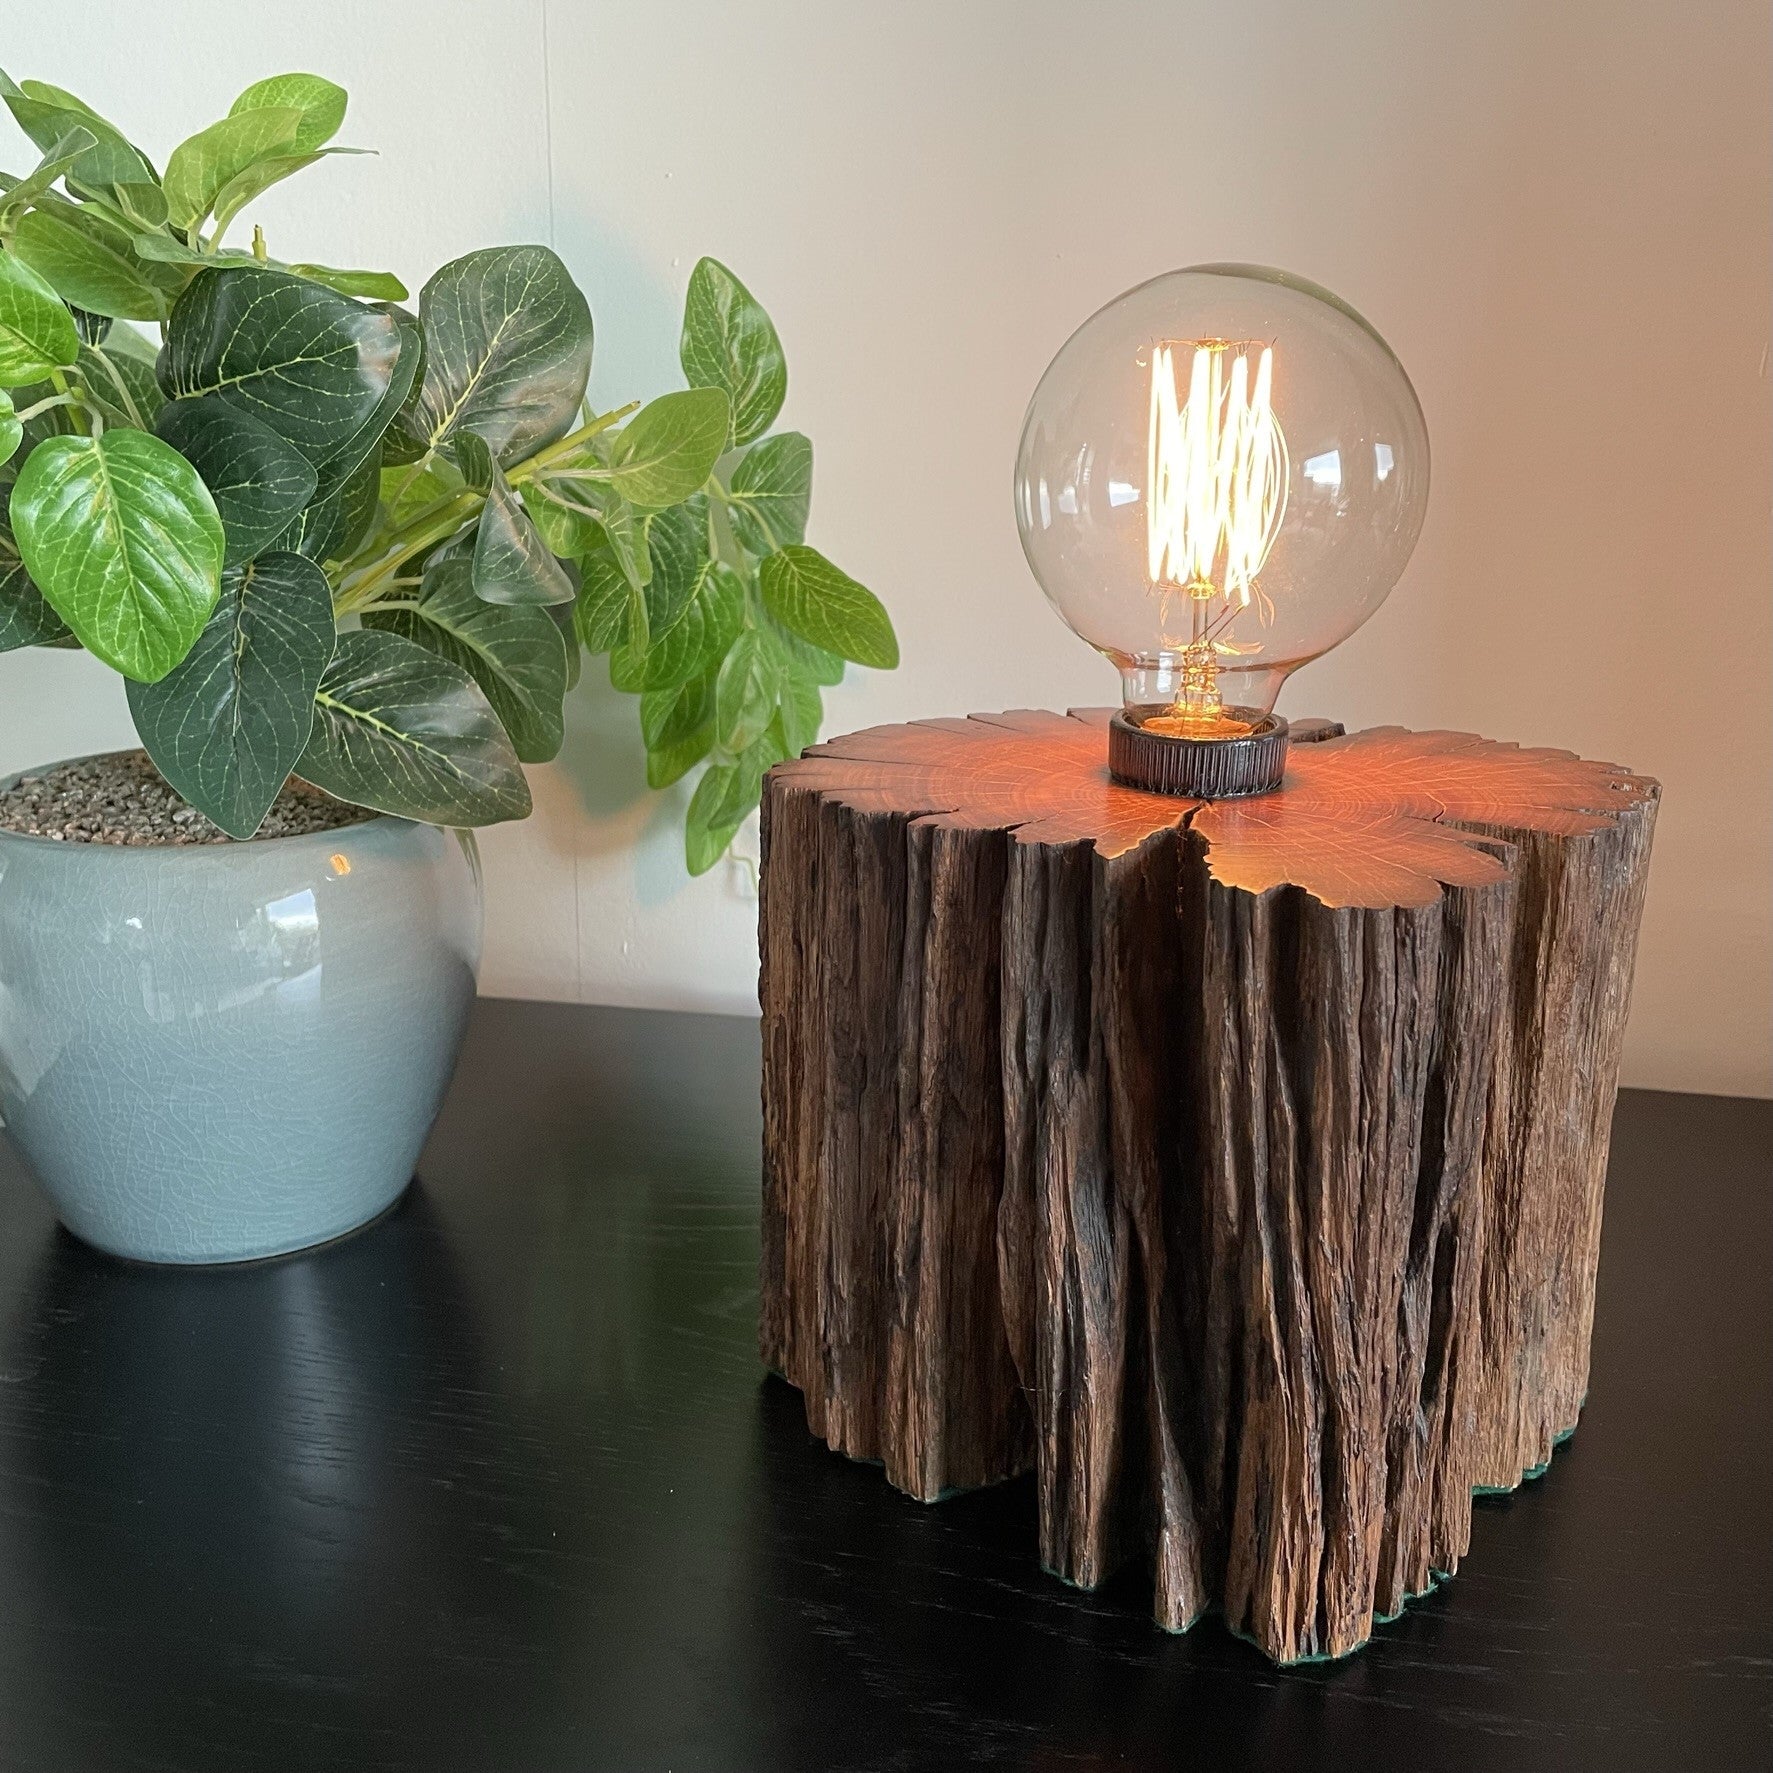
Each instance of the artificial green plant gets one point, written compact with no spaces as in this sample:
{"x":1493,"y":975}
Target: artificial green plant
{"x":319,"y":534}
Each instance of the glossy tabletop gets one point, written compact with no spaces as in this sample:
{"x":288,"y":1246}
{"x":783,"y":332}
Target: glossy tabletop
{"x":498,"y":1484}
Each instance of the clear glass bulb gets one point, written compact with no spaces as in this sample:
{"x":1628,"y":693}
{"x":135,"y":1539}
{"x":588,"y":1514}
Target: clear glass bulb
{"x":1221,"y":475}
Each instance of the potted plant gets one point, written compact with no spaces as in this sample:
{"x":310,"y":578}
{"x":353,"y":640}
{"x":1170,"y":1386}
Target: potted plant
{"x":347,"y":557}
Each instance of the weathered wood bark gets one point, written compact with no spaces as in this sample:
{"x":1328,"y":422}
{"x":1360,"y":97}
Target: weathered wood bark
{"x":1237,"y":1166}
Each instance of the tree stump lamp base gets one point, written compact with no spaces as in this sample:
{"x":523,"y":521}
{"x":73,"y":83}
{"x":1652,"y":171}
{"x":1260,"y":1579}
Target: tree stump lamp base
{"x":1235,"y":1165}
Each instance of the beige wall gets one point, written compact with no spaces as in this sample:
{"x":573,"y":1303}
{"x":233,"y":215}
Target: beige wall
{"x":1556,"y":210}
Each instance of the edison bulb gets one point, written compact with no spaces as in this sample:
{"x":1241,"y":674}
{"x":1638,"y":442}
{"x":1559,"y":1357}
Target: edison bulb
{"x":1221,"y":475}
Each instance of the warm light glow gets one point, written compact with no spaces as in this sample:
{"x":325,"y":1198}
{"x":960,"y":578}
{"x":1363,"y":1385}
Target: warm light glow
{"x":340,"y":864}
{"x":1217,"y":472}
{"x":1216,"y":490}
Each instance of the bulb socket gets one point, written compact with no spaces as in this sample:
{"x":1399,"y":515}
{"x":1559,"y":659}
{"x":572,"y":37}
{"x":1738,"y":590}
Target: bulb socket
{"x":1203,"y":768}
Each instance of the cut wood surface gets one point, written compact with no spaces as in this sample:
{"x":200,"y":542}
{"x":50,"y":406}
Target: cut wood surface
{"x":1235,"y":1165}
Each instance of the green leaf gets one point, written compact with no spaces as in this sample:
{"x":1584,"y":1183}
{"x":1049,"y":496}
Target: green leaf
{"x":91,"y":262}
{"x":123,"y":540}
{"x":568,"y":534}
{"x":729,"y":343}
{"x":228,"y":723}
{"x":623,"y":531}
{"x":678,"y":727}
{"x":745,"y":692}
{"x":803,"y":710}
{"x":772,"y":493}
{"x":37,"y":333}
{"x":25,"y":619}
{"x":46,"y":113}
{"x":200,"y":168}
{"x":142,"y":202}
{"x":259,"y":177}
{"x":515,"y":653}
{"x":56,"y":160}
{"x":401,"y":729}
{"x":607,"y":605}
{"x":375,"y":286}
{"x":320,"y":102}
{"x":669,"y":448}
{"x":259,"y":482}
{"x":800,"y":657}
{"x":12,"y":433}
{"x":561,"y":615}
{"x":696,"y":642}
{"x":512,"y":564}
{"x":358,"y":500}
{"x":311,"y":364}
{"x":120,"y":383}
{"x":507,"y":352}
{"x":345,"y":462}
{"x":807,"y":594}
{"x":677,"y":548}
{"x":406,"y":493}
{"x":318,"y":530}
{"x":725,"y":794}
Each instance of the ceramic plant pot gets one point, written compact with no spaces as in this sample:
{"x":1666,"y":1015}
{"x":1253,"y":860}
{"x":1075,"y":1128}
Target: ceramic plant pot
{"x":227,"y":1051}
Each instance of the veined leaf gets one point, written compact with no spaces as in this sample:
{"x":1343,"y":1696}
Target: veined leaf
{"x":723,"y":797}
{"x":12,"y":432}
{"x":141,"y":202}
{"x":745,"y":692}
{"x":696,"y":642}
{"x":807,"y":594}
{"x":37,"y":333}
{"x":623,"y":530}
{"x":344,"y":463}
{"x":401,"y":729}
{"x":507,"y":353}
{"x":405,"y":492}
{"x":120,"y":383}
{"x":561,"y":615}
{"x":677,"y":547}
{"x":802,"y":711}
{"x":259,"y":482}
{"x":320,"y":102}
{"x":46,"y":113}
{"x":607,"y":607}
{"x":512,"y":563}
{"x":375,"y":286}
{"x":678,"y":727}
{"x":318,"y":530}
{"x":56,"y":160}
{"x":669,"y":448}
{"x":358,"y":501}
{"x":567,"y":532}
{"x":800,"y":657}
{"x":25,"y":619}
{"x":514,"y":653}
{"x":729,"y":343}
{"x":228,"y":723}
{"x":311,"y":364}
{"x":123,"y":540}
{"x":91,"y":262}
{"x":772,"y":493}
{"x":259,"y":176}
{"x":200,"y":168}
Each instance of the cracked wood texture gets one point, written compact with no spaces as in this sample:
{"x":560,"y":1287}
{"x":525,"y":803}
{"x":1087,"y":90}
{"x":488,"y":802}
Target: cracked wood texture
{"x":1235,"y":1166}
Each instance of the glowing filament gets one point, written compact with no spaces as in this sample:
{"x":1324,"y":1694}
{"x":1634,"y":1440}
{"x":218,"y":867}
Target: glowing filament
{"x":1216,"y":472}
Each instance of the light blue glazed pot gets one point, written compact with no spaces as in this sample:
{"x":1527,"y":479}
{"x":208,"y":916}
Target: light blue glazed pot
{"x":226,"y":1051}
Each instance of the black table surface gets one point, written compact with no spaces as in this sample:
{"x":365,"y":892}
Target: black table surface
{"x":498,"y":1484}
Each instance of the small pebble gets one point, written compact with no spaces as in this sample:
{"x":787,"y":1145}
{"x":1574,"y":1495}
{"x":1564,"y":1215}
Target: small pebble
{"x":122,"y":798}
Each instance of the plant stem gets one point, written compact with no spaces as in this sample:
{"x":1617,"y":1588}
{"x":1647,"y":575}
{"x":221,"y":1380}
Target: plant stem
{"x":358,"y":580}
